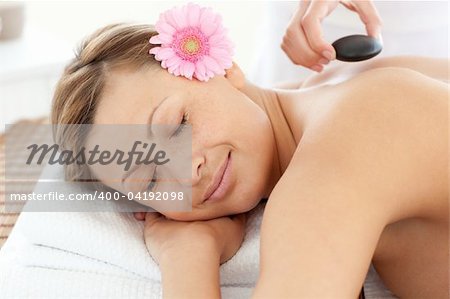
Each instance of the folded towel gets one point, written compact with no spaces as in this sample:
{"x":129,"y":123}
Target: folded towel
{"x":102,"y":254}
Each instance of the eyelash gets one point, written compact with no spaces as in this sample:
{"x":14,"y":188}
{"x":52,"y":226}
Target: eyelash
{"x":152,"y":184}
{"x":181,"y":126}
{"x":177,"y":132}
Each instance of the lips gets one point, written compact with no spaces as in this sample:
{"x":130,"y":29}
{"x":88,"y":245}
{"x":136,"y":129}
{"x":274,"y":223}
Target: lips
{"x":217,"y":178}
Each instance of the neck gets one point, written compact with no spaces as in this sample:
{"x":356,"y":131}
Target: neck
{"x":285,"y":145}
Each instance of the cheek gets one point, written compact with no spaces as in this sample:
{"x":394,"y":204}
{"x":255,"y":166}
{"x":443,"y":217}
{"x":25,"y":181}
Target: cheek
{"x":254,"y":157}
{"x":252,"y":126}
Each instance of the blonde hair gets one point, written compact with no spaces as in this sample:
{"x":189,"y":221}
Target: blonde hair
{"x":80,"y":87}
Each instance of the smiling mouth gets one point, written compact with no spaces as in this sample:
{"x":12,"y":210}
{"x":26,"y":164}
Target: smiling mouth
{"x":219,"y":182}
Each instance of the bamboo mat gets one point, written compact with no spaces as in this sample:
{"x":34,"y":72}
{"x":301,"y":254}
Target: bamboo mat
{"x":8,"y":220}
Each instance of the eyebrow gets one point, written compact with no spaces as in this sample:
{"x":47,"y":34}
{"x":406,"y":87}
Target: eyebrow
{"x":150,"y":118}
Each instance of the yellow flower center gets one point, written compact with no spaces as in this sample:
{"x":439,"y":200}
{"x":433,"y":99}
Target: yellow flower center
{"x":191,"y":45}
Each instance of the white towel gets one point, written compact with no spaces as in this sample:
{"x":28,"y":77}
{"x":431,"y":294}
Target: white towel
{"x":103,"y":255}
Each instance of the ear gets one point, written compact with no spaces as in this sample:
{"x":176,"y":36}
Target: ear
{"x":235,"y":76}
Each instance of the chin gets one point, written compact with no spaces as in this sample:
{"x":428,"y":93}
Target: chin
{"x":249,"y":204}
{"x":245,"y":199}
{"x":234,"y":206}
{"x":206,"y":213}
{"x":186,"y":216}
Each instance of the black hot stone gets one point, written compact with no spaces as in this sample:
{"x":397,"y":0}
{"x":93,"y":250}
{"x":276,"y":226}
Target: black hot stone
{"x":356,"y":47}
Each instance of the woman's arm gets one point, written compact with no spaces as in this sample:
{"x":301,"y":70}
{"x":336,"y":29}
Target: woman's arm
{"x":192,"y":272}
{"x":189,"y":253}
{"x":318,"y":234}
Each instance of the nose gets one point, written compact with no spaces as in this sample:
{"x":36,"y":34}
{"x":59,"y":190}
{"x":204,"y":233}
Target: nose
{"x":197,"y":165}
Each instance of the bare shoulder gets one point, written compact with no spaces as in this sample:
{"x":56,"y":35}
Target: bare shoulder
{"x":373,"y":151}
{"x":386,"y":134}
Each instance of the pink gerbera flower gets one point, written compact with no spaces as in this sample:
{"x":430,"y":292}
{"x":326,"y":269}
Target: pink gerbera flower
{"x":193,"y":42}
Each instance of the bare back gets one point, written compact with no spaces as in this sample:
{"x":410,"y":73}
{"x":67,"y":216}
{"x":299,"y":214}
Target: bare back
{"x":373,"y":153}
{"x":387,"y":108}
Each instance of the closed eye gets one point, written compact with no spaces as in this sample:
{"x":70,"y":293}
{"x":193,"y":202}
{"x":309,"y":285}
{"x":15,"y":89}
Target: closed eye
{"x":152,"y":184}
{"x":181,"y":125}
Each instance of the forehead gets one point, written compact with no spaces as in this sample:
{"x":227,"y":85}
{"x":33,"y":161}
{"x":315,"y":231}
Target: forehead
{"x":127,"y":92}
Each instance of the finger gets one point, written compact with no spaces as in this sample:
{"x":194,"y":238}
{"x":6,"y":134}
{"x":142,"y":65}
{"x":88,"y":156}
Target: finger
{"x":317,"y":68}
{"x":370,"y":17}
{"x":152,"y":217}
{"x":298,"y":50}
{"x":304,"y":4}
{"x":294,"y":42}
{"x":311,"y":24}
{"x":139,"y":216}
{"x":307,"y":52}
{"x":349,"y":5}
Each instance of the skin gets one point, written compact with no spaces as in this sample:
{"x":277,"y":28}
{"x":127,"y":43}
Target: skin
{"x":129,"y":98}
{"x":354,"y":163}
{"x":367,"y":205}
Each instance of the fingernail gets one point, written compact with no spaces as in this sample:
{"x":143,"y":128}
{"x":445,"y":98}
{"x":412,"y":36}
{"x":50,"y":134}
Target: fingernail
{"x":380,"y":38}
{"x":317,"y":68}
{"x":327,"y":54}
{"x":323,"y":61}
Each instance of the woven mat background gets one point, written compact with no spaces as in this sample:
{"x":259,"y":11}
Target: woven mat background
{"x":8,"y":220}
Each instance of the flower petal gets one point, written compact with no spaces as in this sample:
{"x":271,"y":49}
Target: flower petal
{"x":212,"y":65}
{"x":174,"y":60}
{"x":179,"y":17}
{"x":200,"y":67}
{"x":155,"y":40}
{"x":193,"y":14}
{"x":218,"y":19}
{"x":218,"y":53}
{"x":224,"y":64}
{"x":222,"y":56}
{"x":177,"y":71}
{"x":217,"y":38}
{"x":189,"y":69}
{"x":168,"y":16}
{"x":173,"y":69}
{"x":209,"y":74}
{"x":164,"y":27}
{"x":165,"y":53}
{"x":182,"y":67}
{"x":199,"y":76}
{"x":207,"y":24}
{"x":208,"y":28}
{"x":154,"y":50}
{"x":165,"y":38}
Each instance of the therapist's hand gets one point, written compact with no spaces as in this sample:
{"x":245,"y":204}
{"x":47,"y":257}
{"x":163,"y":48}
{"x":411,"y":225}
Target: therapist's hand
{"x":219,"y":238}
{"x":303,"y":41}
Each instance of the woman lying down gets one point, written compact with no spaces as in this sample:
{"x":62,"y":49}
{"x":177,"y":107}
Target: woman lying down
{"x":353,"y":163}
